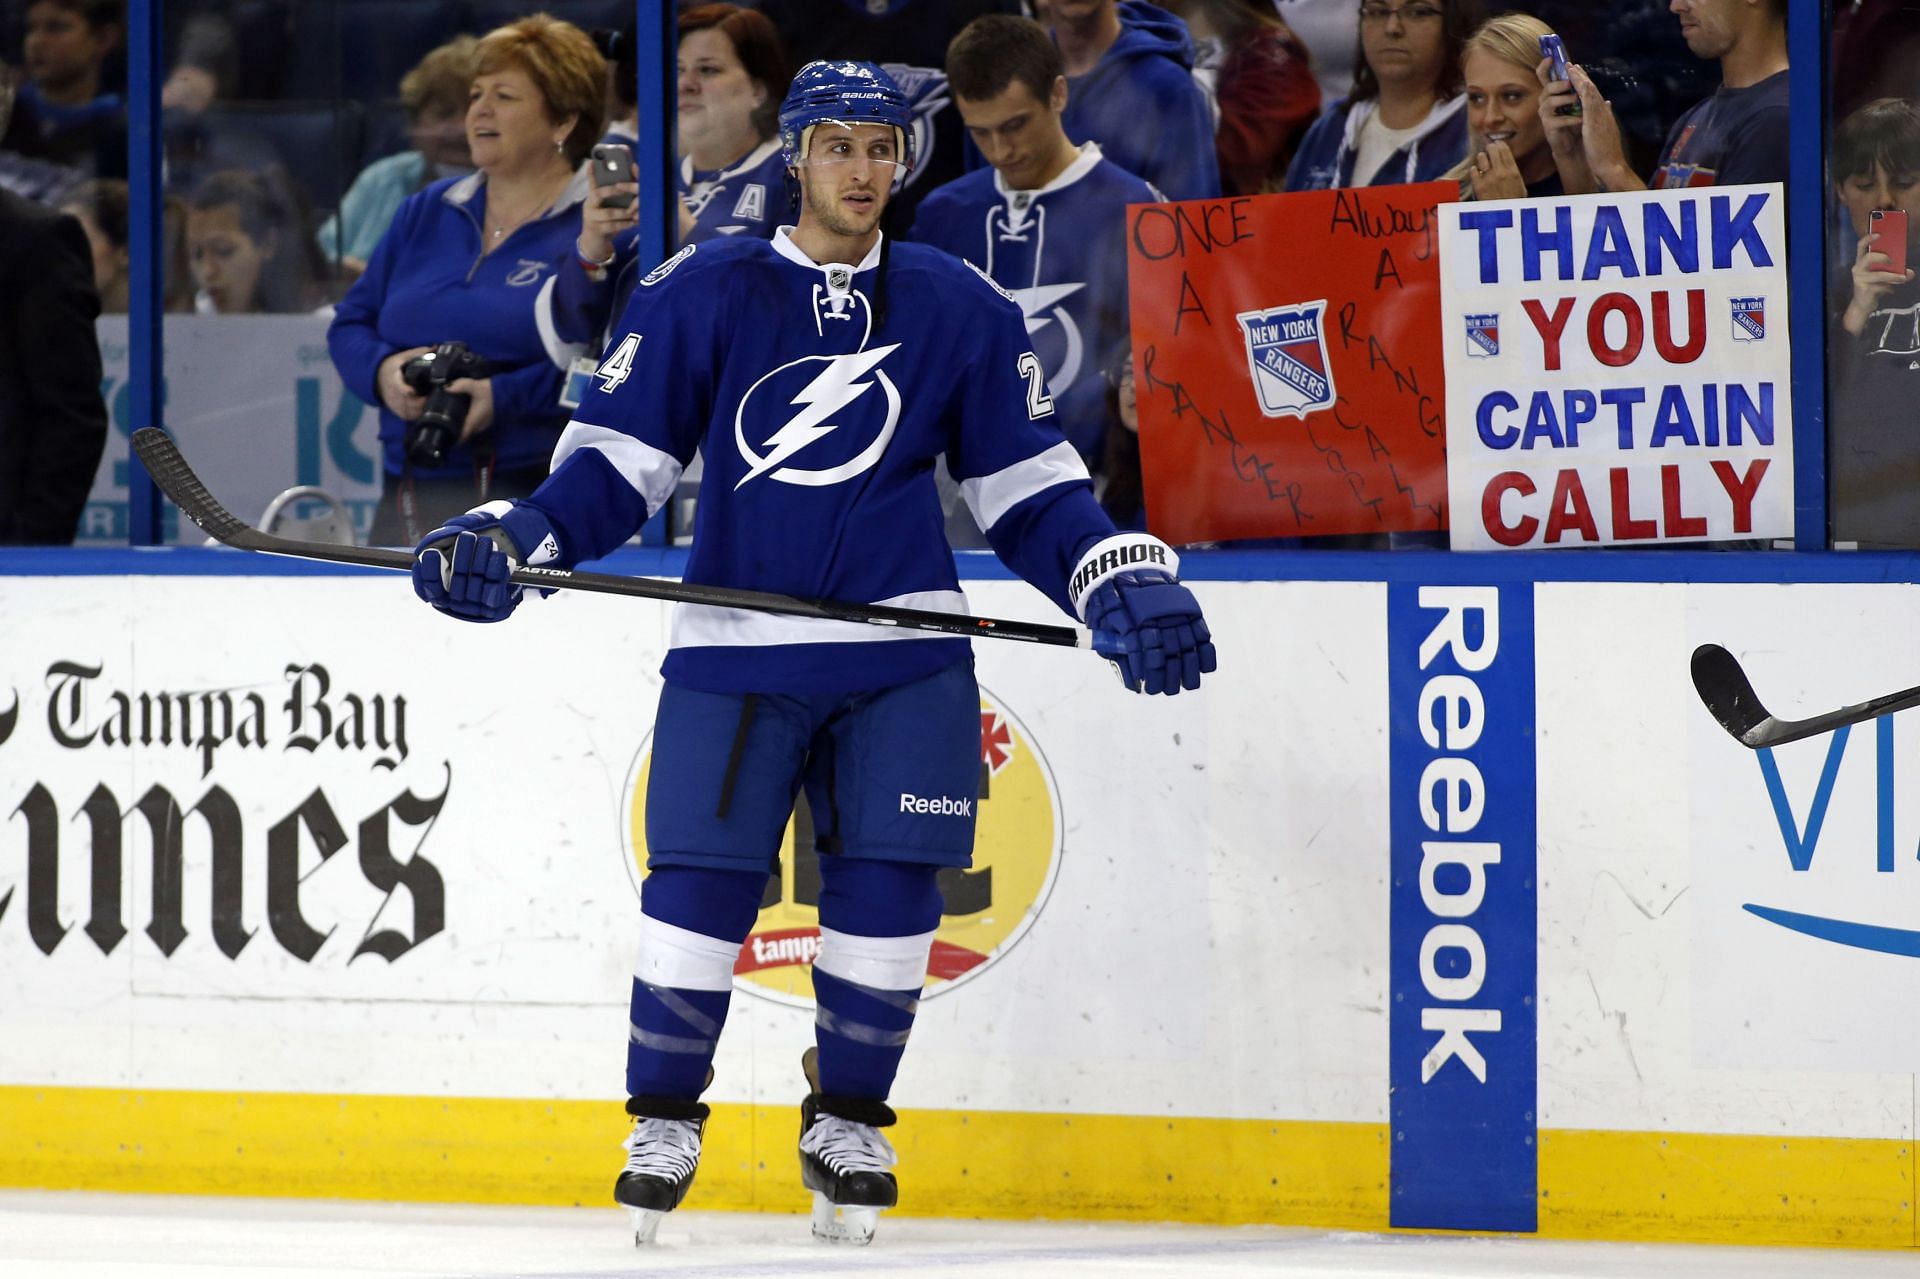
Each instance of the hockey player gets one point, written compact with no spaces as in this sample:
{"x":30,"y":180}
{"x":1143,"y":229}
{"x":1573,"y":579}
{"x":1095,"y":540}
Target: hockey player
{"x":1047,"y":222}
{"x":819,"y":374}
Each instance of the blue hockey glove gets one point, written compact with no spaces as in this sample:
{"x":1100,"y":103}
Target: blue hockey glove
{"x":462,"y":567}
{"x":1144,"y":622}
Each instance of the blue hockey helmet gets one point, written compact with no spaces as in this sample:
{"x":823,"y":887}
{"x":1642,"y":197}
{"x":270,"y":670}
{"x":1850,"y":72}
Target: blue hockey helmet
{"x":842,"y":93}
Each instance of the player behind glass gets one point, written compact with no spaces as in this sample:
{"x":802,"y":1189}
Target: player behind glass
{"x":819,"y":373}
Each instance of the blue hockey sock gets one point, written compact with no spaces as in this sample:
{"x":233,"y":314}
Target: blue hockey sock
{"x":692,"y":923}
{"x":877,"y":921}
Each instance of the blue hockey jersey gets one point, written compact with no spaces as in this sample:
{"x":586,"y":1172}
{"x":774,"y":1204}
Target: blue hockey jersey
{"x":1062,"y":252}
{"x":748,"y":197}
{"x":819,"y":430}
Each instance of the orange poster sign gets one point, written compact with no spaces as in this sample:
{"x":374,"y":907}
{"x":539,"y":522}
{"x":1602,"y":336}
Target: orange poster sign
{"x":1287,"y":363}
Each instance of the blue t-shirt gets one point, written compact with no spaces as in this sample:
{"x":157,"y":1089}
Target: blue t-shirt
{"x":1735,"y":137}
{"x":818,"y":431}
{"x":1062,"y":252}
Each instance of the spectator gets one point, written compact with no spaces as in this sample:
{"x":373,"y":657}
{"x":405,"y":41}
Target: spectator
{"x":733,"y":73}
{"x":65,"y":111}
{"x":1131,"y":89}
{"x":1047,"y":222}
{"x":434,"y":95}
{"x":731,"y":179}
{"x":53,"y":423}
{"x":464,"y":260}
{"x":1509,"y":157}
{"x":909,"y":39}
{"x":1874,"y":371}
{"x":244,"y":243}
{"x":1739,"y":135}
{"x":1405,"y":118}
{"x":1264,"y":84}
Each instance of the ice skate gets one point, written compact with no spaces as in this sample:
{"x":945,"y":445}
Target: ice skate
{"x":845,"y":1162}
{"x":662,"y":1152}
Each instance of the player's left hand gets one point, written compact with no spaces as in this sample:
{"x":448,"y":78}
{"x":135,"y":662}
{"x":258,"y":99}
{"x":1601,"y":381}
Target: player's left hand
{"x":1149,"y":626}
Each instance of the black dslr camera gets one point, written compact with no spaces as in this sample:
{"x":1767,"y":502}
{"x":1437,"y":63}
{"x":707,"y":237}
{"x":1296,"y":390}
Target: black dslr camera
{"x":431,"y":435}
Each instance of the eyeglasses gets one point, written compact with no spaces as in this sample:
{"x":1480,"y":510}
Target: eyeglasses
{"x":1377,"y":14}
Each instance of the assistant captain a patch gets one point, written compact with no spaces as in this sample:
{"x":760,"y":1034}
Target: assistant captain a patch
{"x":1287,"y":356}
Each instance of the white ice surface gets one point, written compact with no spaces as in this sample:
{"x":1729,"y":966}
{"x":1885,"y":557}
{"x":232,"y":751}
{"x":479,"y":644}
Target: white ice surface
{"x":46,"y":1235}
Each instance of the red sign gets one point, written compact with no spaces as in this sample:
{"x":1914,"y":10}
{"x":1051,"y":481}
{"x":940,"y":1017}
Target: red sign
{"x":1287,"y":363}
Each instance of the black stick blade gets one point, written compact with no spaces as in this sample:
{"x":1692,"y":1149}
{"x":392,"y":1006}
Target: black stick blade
{"x":161,"y":456}
{"x":1728,"y":695}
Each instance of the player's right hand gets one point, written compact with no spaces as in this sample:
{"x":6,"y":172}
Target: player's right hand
{"x":464,"y":567}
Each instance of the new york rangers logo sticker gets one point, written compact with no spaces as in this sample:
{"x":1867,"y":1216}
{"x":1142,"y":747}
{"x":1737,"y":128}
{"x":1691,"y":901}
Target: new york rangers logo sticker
{"x":1749,"y":319}
{"x":1483,"y":336}
{"x":1287,"y":355}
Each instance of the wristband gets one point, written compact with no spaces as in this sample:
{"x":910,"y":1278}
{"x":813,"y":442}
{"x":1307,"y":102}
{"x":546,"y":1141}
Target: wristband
{"x":588,"y":264}
{"x":1118,"y":554}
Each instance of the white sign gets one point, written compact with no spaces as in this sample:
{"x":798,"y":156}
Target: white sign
{"x":256,"y":403}
{"x":1617,"y":369}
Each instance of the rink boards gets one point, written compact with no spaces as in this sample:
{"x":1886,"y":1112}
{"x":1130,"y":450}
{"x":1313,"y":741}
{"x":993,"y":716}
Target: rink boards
{"x":1444,"y":906}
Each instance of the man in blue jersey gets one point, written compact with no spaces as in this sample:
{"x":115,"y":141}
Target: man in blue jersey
{"x":819,"y":374}
{"x":1047,"y":222}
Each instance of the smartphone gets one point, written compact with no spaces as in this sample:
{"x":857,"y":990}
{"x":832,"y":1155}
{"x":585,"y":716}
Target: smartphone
{"x":613,"y":163}
{"x":1551,"y":48}
{"x":1889,"y":230}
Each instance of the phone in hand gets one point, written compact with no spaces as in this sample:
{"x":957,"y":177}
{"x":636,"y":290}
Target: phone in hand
{"x":1889,"y":230}
{"x":1551,"y":48}
{"x":612,"y":164}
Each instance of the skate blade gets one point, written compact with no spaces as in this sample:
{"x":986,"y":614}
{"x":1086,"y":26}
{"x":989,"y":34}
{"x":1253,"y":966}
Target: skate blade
{"x":646,"y":1224}
{"x":843,"y":1223}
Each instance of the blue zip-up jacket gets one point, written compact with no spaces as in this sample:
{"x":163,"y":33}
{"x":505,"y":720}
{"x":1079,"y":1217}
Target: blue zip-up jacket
{"x":1326,"y":154}
{"x":427,"y":283}
{"x":1142,"y":105}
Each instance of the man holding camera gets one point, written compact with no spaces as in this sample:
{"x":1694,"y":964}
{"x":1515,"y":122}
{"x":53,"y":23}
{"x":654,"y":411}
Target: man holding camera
{"x":442,"y":332}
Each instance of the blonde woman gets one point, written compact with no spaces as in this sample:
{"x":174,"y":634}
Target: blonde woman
{"x":1507,"y":154}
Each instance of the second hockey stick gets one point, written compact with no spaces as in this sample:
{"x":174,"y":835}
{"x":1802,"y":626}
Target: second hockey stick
{"x":176,"y":479}
{"x":1729,"y":695}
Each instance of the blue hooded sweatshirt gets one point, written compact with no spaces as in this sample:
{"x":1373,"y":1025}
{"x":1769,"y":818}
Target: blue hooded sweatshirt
{"x":1142,"y":105}
{"x":1325,"y":158}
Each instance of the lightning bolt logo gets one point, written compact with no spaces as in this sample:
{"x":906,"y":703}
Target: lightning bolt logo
{"x":1041,"y":305}
{"x":843,"y":381}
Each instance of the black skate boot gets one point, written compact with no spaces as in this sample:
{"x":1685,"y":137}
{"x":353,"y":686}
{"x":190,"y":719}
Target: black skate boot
{"x":662,"y":1152}
{"x":844,"y":1161}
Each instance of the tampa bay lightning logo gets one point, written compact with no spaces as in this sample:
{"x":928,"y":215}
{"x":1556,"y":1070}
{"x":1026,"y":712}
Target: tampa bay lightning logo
{"x":839,"y":410}
{"x":927,"y":92}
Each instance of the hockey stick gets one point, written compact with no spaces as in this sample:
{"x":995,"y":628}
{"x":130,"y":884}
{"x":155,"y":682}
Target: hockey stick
{"x":1724,"y":687}
{"x":175,"y":478}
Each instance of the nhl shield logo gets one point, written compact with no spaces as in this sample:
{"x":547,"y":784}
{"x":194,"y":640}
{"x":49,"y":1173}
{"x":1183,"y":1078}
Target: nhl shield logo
{"x":1749,"y":319}
{"x":838,"y":278}
{"x":1483,"y":336}
{"x":1287,"y":354}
